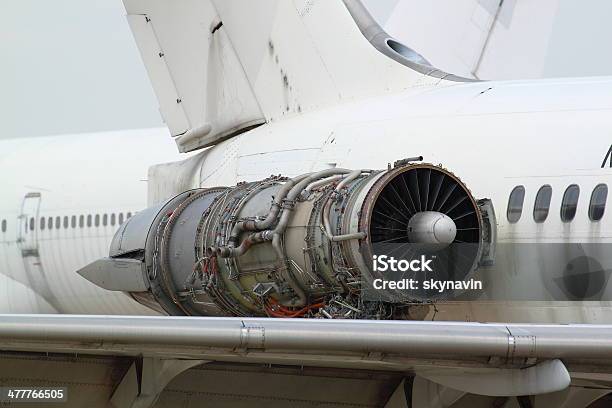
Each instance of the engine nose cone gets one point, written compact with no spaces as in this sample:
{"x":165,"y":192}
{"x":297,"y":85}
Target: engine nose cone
{"x":431,"y":227}
{"x":445,"y":229}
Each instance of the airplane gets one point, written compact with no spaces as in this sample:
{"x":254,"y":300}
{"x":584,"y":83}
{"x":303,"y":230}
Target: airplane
{"x":59,"y":211}
{"x":314,"y":141}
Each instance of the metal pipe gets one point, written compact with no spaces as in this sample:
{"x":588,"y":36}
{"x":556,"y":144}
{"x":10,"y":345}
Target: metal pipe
{"x":407,"y":161}
{"x":412,"y":338}
{"x":326,"y":209}
{"x":245,"y":245}
{"x":289,"y":192}
{"x":253,"y":225}
{"x":327,"y":227}
{"x":282,"y":226}
{"x":352,"y":176}
{"x":320,"y":183}
{"x":297,"y":189}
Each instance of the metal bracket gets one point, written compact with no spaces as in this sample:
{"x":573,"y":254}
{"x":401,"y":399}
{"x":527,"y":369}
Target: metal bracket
{"x":408,"y":160}
{"x":264,"y":288}
{"x":146,"y":379}
{"x":252,"y":336}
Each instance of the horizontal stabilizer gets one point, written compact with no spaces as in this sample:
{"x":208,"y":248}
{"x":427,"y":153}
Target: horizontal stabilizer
{"x":222,"y":67}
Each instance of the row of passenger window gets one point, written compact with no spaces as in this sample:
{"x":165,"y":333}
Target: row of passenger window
{"x":569,"y":203}
{"x":66,"y":222}
{"x":81,"y":221}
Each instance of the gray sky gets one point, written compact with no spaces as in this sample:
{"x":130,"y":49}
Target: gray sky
{"x":579,"y":41}
{"x":69,"y":66}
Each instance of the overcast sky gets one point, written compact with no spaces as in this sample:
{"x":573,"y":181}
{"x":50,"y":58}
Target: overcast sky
{"x":70,"y":66}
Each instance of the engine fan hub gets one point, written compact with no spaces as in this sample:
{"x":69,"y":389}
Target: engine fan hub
{"x":432,"y":227}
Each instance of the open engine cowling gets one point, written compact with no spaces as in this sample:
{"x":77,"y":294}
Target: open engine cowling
{"x":299,"y":247}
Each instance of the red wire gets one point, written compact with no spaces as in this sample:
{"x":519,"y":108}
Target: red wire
{"x":285,"y":312}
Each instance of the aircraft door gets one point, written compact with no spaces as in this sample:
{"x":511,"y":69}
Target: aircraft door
{"x":27,"y":233}
{"x":27,"y":238}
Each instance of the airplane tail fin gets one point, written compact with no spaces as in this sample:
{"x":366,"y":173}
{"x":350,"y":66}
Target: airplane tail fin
{"x":220,"y":67}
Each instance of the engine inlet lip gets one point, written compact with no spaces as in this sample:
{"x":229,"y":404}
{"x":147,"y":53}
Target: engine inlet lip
{"x":373,"y":195}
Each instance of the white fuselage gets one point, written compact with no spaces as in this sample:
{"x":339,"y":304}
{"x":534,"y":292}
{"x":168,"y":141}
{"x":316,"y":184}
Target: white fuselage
{"x":493,"y":135}
{"x":98,"y":176}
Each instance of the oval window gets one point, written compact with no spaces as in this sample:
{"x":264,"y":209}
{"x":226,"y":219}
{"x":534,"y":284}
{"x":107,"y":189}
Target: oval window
{"x":569,"y":204}
{"x":542,"y":203}
{"x":597,"y":205}
{"x":515,"y":204}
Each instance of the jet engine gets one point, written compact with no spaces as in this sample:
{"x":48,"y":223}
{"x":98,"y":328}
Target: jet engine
{"x":302,"y":246}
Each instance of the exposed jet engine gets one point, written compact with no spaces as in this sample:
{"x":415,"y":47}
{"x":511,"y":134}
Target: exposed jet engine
{"x":300,"y":247}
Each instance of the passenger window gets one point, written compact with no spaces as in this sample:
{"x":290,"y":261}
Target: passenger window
{"x":3,"y":225}
{"x":42,"y":223}
{"x":128,"y":216}
{"x":597,"y":205}
{"x":569,"y":203}
{"x":65,"y":222}
{"x":32,"y":224}
{"x":97,"y":220}
{"x":120,"y":218}
{"x":81,"y":221}
{"x":542,"y":203}
{"x":58,"y":222}
{"x":89,"y":220}
{"x":105,"y":220}
{"x":515,"y":204}
{"x":73,"y":221}
{"x":50,"y":223}
{"x":113,"y":219}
